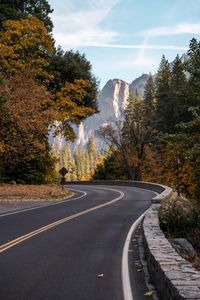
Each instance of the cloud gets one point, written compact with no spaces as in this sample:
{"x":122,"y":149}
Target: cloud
{"x":83,"y":27}
{"x":139,"y":46}
{"x":182,"y":28}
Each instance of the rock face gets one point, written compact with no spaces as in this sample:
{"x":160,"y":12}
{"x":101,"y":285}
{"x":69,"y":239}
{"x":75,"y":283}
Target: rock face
{"x":112,"y":102}
{"x":138,"y":84}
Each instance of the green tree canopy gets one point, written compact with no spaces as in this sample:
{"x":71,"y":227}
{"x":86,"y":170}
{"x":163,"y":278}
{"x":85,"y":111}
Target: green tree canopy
{"x":18,"y":9}
{"x":70,"y":66}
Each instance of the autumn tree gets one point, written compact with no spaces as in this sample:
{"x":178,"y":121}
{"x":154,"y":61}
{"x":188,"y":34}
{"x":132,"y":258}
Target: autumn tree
{"x":111,"y":167}
{"x":64,"y":88}
{"x":112,"y":135}
{"x":25,"y":45}
{"x":137,"y":129}
{"x":70,"y":108}
{"x":24,"y":130}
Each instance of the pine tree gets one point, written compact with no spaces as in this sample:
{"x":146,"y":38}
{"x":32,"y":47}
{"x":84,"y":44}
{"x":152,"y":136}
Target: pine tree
{"x":164,"y":106}
{"x":92,"y":154}
{"x":192,"y":66}
{"x":149,"y":98}
{"x":178,"y":88}
{"x":79,"y":156}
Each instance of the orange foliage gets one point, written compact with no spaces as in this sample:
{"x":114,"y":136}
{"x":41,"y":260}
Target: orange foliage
{"x":23,"y":120}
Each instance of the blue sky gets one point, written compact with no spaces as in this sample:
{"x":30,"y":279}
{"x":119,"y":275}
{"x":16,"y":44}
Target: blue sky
{"x":125,"y":38}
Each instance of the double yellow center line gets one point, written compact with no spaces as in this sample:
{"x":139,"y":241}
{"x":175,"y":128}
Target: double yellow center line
{"x":29,"y":235}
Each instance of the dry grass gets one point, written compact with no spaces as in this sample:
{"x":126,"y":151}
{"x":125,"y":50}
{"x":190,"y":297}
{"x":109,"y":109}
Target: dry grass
{"x":32,"y":192}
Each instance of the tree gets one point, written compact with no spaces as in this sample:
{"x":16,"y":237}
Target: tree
{"x":178,"y":89}
{"x":18,"y":9}
{"x":164,"y":105}
{"x":113,"y":136}
{"x":192,"y":66}
{"x":149,"y":97}
{"x":92,"y":154}
{"x":25,"y":45}
{"x":24,"y":126}
{"x":70,"y":66}
{"x":137,"y":130}
{"x":70,"y":108}
{"x":110,"y":168}
{"x":65,"y":159}
{"x":79,"y":158}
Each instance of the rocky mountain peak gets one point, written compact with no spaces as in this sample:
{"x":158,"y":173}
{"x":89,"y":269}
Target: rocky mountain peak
{"x":113,"y":99}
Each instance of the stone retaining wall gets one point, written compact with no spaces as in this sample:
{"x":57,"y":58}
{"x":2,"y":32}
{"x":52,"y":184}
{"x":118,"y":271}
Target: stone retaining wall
{"x":173,"y":276}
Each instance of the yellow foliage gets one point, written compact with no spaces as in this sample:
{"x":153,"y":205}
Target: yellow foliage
{"x":69,"y":105}
{"x":24,"y":45}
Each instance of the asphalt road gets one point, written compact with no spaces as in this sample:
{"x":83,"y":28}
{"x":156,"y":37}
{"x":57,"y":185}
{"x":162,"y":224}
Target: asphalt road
{"x":58,"y":252}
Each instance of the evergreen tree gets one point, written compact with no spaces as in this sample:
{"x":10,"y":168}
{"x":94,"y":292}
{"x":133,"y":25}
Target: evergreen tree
{"x":92,"y":154}
{"x":149,"y":98}
{"x":164,"y":105}
{"x":67,"y":161}
{"x":79,"y":158}
{"x":192,"y":66}
{"x":178,"y":88}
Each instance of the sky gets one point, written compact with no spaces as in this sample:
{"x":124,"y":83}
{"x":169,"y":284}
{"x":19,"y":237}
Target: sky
{"x":125,"y":38}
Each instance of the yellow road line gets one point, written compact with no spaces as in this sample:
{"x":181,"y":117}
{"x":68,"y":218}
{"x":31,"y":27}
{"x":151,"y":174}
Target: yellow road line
{"x":29,"y":235}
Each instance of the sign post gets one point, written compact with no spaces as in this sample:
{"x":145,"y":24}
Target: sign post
{"x":63,"y":171}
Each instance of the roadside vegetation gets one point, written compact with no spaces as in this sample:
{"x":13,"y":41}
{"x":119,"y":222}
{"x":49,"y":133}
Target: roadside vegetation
{"x":43,"y":192}
{"x":180,"y":218}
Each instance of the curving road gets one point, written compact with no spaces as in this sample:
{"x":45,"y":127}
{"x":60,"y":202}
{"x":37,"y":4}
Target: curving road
{"x":72,"y":250}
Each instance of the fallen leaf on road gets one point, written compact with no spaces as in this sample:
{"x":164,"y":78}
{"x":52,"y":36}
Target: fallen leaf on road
{"x":130,"y":250}
{"x":100,"y":275}
{"x":139,"y":270}
{"x":150,"y":293}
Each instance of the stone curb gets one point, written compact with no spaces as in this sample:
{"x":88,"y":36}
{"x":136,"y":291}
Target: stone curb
{"x":172,"y":275}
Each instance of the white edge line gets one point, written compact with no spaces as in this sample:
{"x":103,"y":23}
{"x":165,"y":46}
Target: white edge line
{"x":126,"y":285}
{"x":45,"y":205}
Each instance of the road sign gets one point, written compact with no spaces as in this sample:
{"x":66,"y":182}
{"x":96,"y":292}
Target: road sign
{"x":63,"y":171}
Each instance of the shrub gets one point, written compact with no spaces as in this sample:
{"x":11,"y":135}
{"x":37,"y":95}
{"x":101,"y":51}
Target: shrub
{"x":179,"y":221}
